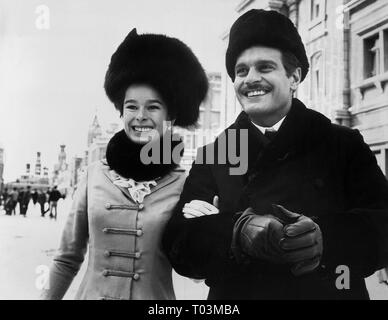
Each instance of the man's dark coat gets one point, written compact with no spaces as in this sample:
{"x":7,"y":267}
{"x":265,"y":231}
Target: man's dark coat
{"x":312,"y":167}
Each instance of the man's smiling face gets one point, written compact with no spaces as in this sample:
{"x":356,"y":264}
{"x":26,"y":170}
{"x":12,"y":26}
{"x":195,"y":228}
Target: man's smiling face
{"x":262,"y":85}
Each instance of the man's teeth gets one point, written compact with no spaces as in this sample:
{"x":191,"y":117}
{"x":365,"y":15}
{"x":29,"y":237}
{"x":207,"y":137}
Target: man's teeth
{"x":256,"y":93}
{"x":142,"y":129}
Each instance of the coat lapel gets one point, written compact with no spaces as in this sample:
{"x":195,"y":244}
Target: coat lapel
{"x":161,"y":182}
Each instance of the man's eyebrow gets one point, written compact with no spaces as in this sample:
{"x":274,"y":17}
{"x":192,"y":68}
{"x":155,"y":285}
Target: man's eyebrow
{"x":240,"y":64}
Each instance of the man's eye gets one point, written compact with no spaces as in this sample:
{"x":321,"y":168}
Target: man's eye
{"x":266,"y":68}
{"x":241,"y":71}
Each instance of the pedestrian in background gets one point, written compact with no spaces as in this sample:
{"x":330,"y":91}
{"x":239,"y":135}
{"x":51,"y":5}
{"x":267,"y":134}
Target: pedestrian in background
{"x":54,"y":197}
{"x":14,"y":198}
{"x":25,"y":198}
{"x":34,"y":197}
{"x":42,"y":200}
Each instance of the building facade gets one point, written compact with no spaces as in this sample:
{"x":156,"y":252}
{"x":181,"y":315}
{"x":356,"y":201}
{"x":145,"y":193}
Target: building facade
{"x":368,"y":25}
{"x":347,"y":46}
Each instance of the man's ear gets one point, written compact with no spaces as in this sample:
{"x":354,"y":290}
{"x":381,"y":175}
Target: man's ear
{"x":296,"y":77}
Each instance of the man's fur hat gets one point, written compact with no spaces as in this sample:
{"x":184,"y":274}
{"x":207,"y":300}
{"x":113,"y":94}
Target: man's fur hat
{"x":264,"y":28}
{"x":167,"y":65}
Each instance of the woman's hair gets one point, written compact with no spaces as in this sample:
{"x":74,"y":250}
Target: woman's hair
{"x":167,"y":65}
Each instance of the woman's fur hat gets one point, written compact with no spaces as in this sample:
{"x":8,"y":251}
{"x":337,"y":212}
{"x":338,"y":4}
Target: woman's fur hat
{"x":266,"y":28}
{"x":164,"y":63}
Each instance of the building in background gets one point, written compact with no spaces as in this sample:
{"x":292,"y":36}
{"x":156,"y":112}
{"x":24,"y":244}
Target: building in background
{"x":61,"y":176}
{"x":34,"y":179}
{"x":347,"y":45}
{"x":211,"y":121}
{"x":368,"y":70}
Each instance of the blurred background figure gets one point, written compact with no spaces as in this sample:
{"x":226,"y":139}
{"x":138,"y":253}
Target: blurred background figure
{"x":42,"y":199}
{"x":55,"y":195}
{"x":24,"y":200}
{"x":34,"y":196}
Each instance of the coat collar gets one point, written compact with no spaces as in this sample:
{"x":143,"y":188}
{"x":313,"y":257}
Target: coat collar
{"x":161,"y":182}
{"x":301,"y":130}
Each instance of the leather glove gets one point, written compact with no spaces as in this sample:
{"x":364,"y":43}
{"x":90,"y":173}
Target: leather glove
{"x":302,"y":241}
{"x":259,"y":236}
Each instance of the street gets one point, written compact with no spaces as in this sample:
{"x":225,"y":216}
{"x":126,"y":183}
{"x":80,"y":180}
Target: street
{"x":27,"y":246}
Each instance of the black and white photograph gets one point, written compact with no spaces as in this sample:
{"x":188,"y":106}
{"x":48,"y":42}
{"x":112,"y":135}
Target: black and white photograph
{"x":194,"y":150}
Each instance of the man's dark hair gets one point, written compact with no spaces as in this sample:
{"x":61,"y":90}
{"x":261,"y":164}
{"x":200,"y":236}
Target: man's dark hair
{"x":290,"y":62}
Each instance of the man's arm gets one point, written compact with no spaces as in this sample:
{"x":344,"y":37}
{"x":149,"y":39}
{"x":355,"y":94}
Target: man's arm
{"x":358,"y":237}
{"x":199,"y":247}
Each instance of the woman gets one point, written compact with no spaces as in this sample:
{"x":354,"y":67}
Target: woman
{"x":123,"y":203}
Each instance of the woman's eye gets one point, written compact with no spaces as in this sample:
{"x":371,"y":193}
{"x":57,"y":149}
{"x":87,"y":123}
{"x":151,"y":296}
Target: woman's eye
{"x":153,"y":107}
{"x":130,"y":107}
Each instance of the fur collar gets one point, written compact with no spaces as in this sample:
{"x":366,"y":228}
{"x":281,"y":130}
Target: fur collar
{"x":123,"y":156}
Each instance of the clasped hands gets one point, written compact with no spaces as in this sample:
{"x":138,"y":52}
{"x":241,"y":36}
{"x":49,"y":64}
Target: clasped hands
{"x":283,"y":237}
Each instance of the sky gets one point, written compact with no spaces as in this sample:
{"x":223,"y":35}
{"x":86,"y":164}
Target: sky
{"x":54,"y":55}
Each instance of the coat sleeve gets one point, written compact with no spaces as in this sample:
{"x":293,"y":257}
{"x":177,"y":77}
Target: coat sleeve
{"x":72,"y":248}
{"x":199,"y":247}
{"x":358,"y":237}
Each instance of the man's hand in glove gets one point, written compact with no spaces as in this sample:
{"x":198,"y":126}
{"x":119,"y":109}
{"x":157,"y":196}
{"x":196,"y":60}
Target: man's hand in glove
{"x":302,"y":241}
{"x":259,"y":236}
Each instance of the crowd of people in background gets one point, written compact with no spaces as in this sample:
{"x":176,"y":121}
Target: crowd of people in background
{"x":47,"y":200}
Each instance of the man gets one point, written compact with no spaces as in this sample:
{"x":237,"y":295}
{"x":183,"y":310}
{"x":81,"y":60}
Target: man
{"x":55,"y":195}
{"x":42,"y":199}
{"x":309,"y":219}
{"x":14,"y":198}
{"x":24,"y":200}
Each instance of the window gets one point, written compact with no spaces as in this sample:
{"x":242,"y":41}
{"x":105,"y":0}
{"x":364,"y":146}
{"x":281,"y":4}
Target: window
{"x":317,"y":10}
{"x":215,"y":100}
{"x":316,"y":76}
{"x":375,"y":53}
{"x":215,"y":119}
{"x":372,"y":52}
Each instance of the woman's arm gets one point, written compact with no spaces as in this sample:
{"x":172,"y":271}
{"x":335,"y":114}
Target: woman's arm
{"x":72,"y":248}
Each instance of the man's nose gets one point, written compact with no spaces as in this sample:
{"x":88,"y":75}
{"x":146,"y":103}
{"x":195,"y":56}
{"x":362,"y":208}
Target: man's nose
{"x":253,"y":76}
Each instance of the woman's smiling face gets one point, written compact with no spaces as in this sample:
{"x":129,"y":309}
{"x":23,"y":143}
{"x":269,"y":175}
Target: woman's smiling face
{"x":144,"y":113}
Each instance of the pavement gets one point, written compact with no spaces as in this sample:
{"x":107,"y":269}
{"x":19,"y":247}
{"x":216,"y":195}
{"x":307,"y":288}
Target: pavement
{"x":27,"y":246}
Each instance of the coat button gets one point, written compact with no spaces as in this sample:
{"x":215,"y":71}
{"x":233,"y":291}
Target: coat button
{"x":107,"y":253}
{"x":105,"y":273}
{"x":136,"y":276}
{"x":108,"y":205}
{"x":137,"y":255}
{"x":141,"y":206}
{"x":139,"y":233}
{"x":105,"y":230}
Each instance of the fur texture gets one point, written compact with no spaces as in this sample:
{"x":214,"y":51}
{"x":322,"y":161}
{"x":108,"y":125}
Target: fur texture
{"x":164,"y":63}
{"x":266,"y":28}
{"x":123,"y":156}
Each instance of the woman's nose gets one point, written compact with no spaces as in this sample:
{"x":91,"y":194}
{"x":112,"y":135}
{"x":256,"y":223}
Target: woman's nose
{"x":141,"y":114}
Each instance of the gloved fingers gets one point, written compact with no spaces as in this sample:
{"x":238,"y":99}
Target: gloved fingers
{"x":304,"y":241}
{"x":306,"y":266}
{"x":302,"y":226}
{"x":302,"y":254}
{"x":284,"y":215}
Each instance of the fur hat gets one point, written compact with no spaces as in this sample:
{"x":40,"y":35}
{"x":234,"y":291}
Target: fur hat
{"x":164,"y":63}
{"x":266,"y":28}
